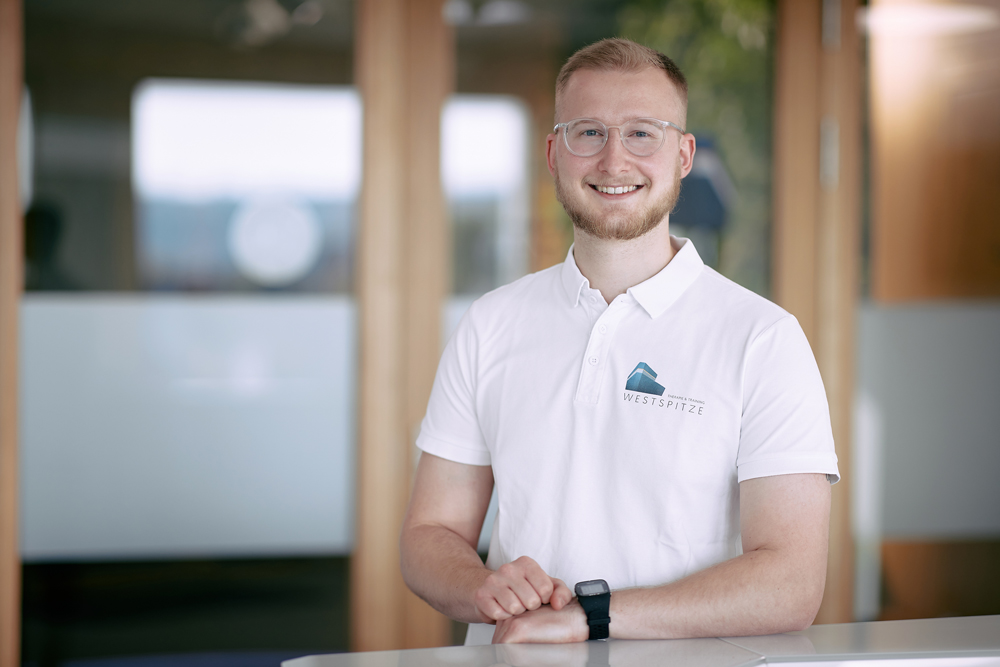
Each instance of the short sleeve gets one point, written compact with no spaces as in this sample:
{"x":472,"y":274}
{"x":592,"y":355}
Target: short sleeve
{"x":785,"y":427}
{"x":450,"y":428}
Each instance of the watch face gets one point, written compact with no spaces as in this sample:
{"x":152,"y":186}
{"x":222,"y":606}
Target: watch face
{"x":595,"y":587}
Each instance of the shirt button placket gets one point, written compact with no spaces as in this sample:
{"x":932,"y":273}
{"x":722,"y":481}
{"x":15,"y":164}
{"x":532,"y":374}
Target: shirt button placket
{"x":591,"y":374}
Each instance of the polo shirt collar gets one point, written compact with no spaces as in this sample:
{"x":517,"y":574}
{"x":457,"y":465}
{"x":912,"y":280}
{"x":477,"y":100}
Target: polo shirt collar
{"x":655,"y":294}
{"x":660,"y":292}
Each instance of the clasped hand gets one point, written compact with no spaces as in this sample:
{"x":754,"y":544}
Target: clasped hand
{"x":519,"y":586}
{"x":513,"y":597}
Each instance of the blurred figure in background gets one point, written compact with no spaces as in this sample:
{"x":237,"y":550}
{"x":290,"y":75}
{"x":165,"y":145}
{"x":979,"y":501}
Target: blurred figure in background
{"x":43,"y":226}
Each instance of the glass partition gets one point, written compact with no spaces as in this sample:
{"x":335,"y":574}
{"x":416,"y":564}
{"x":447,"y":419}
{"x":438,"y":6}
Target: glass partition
{"x":188,"y":337}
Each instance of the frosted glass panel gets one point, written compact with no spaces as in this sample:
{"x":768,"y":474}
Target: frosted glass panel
{"x":929,"y":376}
{"x":165,"y":426}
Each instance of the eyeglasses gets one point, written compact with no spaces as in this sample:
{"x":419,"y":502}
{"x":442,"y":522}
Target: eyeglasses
{"x":641,"y":137}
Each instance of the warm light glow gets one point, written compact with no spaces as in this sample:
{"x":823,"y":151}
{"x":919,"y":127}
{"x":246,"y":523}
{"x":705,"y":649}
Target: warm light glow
{"x":927,"y":19}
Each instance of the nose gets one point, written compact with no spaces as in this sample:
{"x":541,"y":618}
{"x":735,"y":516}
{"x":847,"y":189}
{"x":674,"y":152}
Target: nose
{"x":614,"y":156}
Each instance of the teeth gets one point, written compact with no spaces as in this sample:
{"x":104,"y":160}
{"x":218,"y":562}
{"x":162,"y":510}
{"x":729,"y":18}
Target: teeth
{"x":616,"y":190}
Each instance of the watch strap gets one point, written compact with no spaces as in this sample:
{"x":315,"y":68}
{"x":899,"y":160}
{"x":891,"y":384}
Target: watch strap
{"x":597,"y":608}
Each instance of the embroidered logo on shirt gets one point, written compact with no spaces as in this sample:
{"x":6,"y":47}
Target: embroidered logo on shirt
{"x":643,"y":379}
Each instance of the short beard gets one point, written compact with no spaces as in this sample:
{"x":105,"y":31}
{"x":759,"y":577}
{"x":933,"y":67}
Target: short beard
{"x":639,"y":225}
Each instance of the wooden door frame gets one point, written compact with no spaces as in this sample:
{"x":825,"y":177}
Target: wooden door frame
{"x":11,"y":286}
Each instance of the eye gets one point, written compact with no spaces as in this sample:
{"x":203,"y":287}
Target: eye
{"x":643,"y":133}
{"x":592,"y":132}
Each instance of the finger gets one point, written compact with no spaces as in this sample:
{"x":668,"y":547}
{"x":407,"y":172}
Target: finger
{"x":514,"y":577}
{"x":535,"y":577}
{"x":494,"y":613}
{"x":541,"y":583}
{"x":510,"y":600}
{"x":489,"y":607}
{"x":526,"y":593}
{"x":561,"y":595}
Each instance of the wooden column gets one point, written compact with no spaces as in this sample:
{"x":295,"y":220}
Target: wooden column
{"x":816,"y":226}
{"x":796,"y":160}
{"x":404,"y":69}
{"x":11,"y":284}
{"x":427,"y":255}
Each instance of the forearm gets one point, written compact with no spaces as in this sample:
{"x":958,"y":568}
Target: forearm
{"x":775,"y":586}
{"x":444,"y":570}
{"x":760,"y":592}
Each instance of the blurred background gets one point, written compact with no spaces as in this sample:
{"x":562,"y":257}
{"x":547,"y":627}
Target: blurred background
{"x":193,"y":329}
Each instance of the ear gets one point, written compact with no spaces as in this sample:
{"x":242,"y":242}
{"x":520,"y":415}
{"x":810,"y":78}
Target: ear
{"x":686,"y":157}
{"x":550,"y":153}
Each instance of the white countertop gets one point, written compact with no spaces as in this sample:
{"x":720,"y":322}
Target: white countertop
{"x":972,"y":641}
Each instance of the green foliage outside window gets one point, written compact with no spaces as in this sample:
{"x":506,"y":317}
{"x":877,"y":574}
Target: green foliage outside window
{"x":725,"y":49}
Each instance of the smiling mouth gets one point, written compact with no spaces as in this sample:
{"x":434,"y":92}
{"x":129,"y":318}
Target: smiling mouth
{"x":615,"y":189}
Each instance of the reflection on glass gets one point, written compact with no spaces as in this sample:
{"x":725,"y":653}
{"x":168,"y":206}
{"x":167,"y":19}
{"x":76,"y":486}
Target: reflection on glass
{"x":617,"y":653}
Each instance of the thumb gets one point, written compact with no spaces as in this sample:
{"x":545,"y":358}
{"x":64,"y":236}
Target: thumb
{"x":561,"y":594}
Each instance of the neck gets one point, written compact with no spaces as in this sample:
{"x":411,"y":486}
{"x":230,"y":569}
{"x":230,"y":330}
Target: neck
{"x":614,"y":266}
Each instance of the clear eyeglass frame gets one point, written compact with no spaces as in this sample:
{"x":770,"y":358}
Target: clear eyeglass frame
{"x":663,"y":124}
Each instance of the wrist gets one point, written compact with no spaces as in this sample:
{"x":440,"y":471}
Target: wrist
{"x":581,"y":630}
{"x":483,"y":605}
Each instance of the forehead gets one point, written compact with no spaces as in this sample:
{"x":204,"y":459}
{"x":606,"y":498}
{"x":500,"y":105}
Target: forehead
{"x":614,"y":97}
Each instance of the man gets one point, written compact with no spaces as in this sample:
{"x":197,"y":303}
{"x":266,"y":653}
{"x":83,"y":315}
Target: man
{"x":646,"y":421}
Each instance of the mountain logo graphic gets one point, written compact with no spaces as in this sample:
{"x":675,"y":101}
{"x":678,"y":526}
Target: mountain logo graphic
{"x":643,"y":379}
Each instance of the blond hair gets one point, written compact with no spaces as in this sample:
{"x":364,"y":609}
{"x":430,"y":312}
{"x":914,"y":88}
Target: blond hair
{"x":616,"y":54}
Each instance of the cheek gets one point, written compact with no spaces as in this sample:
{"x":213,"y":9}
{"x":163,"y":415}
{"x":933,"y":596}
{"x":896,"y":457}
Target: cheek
{"x":570,"y":172}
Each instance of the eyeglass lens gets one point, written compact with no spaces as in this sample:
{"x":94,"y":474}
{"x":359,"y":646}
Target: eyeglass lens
{"x":587,"y":137}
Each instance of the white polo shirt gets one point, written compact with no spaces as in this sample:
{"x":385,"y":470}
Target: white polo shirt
{"x":618,"y":434}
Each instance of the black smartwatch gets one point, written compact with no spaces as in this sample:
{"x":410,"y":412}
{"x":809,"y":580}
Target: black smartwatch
{"x":595,"y":598}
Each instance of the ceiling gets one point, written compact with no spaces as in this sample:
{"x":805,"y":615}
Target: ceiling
{"x":328,"y":23}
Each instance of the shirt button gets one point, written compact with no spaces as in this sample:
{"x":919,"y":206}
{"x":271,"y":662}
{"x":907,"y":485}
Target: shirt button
{"x":593,"y":361}
{"x":603,"y":328}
